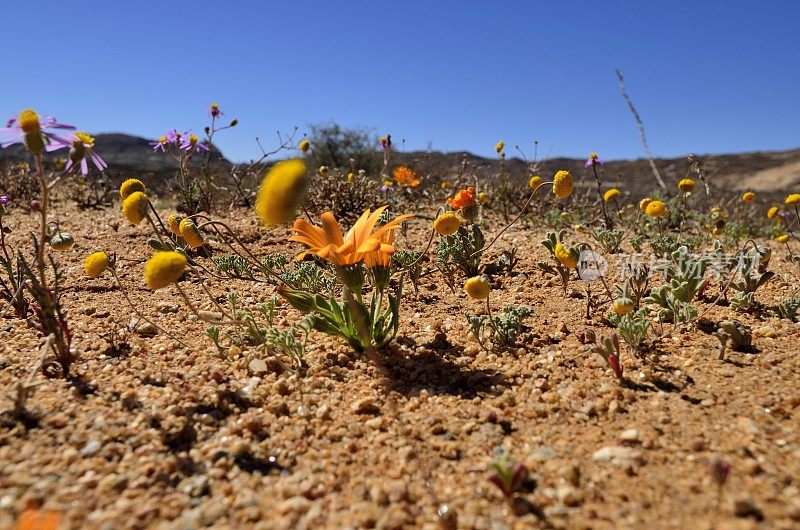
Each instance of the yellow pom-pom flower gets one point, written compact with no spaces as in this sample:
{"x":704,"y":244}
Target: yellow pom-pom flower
{"x":29,"y":121}
{"x":792,"y":199}
{"x":622,"y":306}
{"x":483,"y":198}
{"x":447,"y":224}
{"x":499,"y":146}
{"x":568,"y":256}
{"x":610,"y":195}
{"x":644,"y":203}
{"x":305,"y":145}
{"x":477,"y":288}
{"x":783,"y":238}
{"x":130,"y":186}
{"x":323,"y":171}
{"x":191,"y":234}
{"x":656,"y":209}
{"x":748,"y":196}
{"x":687,"y":185}
{"x":562,"y":184}
{"x":773,"y":212}
{"x":134,"y":207}
{"x":281,"y":192}
{"x":163,"y":269}
{"x":95,"y":264}
{"x":534,"y":182}
{"x":174,"y":223}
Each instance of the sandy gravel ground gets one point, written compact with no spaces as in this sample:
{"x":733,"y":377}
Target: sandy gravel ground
{"x":167,"y":436}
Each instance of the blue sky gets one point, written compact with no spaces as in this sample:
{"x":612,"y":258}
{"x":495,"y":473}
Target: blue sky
{"x":707,"y":77}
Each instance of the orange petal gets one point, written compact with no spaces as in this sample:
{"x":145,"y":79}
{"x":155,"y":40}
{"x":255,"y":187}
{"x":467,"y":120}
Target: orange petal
{"x":370,"y":245}
{"x":332,"y":229}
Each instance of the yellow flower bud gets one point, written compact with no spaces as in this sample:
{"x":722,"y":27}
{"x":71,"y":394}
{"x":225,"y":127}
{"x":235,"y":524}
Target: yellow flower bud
{"x":610,"y":195}
{"x":95,"y":264}
{"x":191,"y":234}
{"x":163,"y":269}
{"x":477,"y":288}
{"x":134,"y":207}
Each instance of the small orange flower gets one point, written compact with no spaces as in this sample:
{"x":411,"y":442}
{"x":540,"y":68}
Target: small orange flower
{"x":463,"y":198}
{"x":405,"y":176}
{"x":328,"y":243}
{"x":33,"y":519}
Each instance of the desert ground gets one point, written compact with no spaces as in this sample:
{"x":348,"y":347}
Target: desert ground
{"x":163,"y":430}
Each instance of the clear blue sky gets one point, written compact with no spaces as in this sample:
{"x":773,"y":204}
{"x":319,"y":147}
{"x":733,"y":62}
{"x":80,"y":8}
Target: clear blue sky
{"x":707,"y":76}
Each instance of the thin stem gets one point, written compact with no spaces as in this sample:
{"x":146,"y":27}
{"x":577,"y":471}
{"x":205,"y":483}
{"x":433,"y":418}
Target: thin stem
{"x":514,"y":220}
{"x":197,"y":314}
{"x":45,"y":189}
{"x":139,"y":313}
{"x":606,"y":217}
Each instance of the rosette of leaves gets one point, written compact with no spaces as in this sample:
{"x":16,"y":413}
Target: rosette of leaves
{"x":753,"y":274}
{"x":663,"y":245}
{"x":500,"y":330}
{"x":608,"y":348}
{"x":508,"y":260}
{"x":632,"y":328}
{"x":256,"y":326}
{"x":462,"y":250}
{"x":637,"y":241}
{"x":672,"y":308}
{"x":788,"y":308}
{"x":609,"y":239}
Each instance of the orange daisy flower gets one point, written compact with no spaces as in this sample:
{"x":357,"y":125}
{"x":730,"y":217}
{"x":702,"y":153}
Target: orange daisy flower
{"x":405,"y":176}
{"x":328,"y":243}
{"x":463,"y":198}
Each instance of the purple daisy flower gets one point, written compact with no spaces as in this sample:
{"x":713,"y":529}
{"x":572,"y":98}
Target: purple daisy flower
{"x":4,"y":200}
{"x":191,"y":141}
{"x":161,"y":143}
{"x":214,"y":112}
{"x":30,"y":127}
{"x":594,"y":159}
{"x":82,"y":148}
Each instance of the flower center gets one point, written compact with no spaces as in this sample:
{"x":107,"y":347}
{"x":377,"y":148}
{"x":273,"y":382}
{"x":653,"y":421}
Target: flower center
{"x":84,"y":140}
{"x":29,"y":121}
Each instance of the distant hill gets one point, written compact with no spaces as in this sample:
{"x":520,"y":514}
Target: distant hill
{"x":125,"y":154}
{"x":767,"y":171}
